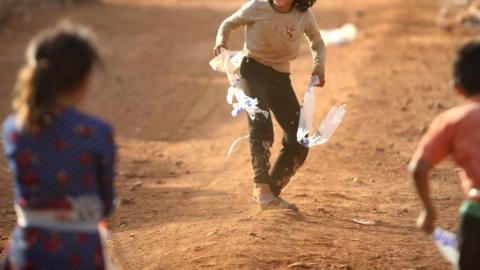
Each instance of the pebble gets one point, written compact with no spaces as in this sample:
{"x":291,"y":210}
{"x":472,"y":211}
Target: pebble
{"x":179,"y":163}
{"x":198,"y":248}
{"x":360,"y":13}
{"x":138,"y":184}
{"x":252,"y":234}
{"x":439,"y":105}
{"x":362,"y":221}
{"x":125,"y":201}
{"x":321,"y":209}
{"x":423,"y":129}
{"x":303,"y":265}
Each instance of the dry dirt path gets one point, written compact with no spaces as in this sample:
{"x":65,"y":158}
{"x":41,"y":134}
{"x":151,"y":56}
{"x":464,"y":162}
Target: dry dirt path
{"x":185,"y":206}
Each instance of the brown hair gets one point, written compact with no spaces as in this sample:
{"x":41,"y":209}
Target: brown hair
{"x":301,"y":5}
{"x":59,"y":60}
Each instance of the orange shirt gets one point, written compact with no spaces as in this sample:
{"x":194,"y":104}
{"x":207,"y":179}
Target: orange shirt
{"x":455,"y":132}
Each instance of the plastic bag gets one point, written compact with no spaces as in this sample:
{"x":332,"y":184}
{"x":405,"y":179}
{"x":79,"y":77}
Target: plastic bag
{"x":229,"y":63}
{"x":447,"y":244}
{"x":340,"y":36}
{"x":328,"y":126}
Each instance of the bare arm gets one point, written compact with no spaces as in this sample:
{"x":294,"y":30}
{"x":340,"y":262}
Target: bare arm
{"x":420,"y":171}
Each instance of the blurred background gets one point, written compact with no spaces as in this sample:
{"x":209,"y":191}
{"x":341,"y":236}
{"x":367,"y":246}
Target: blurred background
{"x":184,"y":205}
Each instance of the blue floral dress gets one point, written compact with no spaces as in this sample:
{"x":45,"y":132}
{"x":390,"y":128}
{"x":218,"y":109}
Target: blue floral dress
{"x":73,"y":157}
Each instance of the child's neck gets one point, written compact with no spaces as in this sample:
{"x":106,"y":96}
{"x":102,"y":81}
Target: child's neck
{"x":282,"y":8}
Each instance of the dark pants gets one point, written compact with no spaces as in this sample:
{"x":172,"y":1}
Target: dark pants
{"x":274,"y":92}
{"x":469,"y":242}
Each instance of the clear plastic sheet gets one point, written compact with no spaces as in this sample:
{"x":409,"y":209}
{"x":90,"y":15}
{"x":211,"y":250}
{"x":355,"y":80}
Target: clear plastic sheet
{"x":229,"y":63}
{"x":447,"y":244}
{"x":328,"y":126}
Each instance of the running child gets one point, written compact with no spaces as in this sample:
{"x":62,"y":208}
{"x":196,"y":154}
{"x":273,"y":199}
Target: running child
{"x":456,"y":133}
{"x":62,"y":159}
{"x":274,"y":30}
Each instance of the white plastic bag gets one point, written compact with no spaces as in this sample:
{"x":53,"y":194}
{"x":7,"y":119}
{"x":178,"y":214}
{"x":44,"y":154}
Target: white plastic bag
{"x":328,"y":126}
{"x":229,"y":63}
{"x":340,"y":36}
{"x":447,"y":244}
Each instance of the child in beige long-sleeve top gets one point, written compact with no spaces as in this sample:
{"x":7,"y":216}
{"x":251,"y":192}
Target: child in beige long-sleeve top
{"x":274,"y":30}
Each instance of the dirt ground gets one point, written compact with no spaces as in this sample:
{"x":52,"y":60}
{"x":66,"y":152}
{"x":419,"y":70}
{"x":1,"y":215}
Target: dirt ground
{"x":184,"y":205}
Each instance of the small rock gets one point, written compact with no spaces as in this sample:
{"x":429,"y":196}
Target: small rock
{"x":179,"y":163}
{"x":371,"y":180}
{"x":439,"y":105}
{"x":188,"y":172}
{"x":301,"y":195}
{"x":355,"y":179}
{"x":159,"y":182}
{"x":211,"y":233}
{"x":132,"y":235}
{"x":303,"y":265}
{"x":198,"y":248}
{"x":362,"y":221}
{"x":253,"y":234}
{"x":125,"y":201}
{"x":138,"y":184}
{"x":379,"y":149}
{"x":186,"y":191}
{"x":236,"y":211}
{"x":423,"y":129}
{"x":360,"y":13}
{"x":322,"y":210}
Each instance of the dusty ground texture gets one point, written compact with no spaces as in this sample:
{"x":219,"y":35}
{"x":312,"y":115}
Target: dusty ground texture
{"x":185,"y":206}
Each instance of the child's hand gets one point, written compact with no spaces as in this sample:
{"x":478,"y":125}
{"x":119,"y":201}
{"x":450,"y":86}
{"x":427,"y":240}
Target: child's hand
{"x":218,"y":49}
{"x":321,"y":77}
{"x":426,"y":221}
